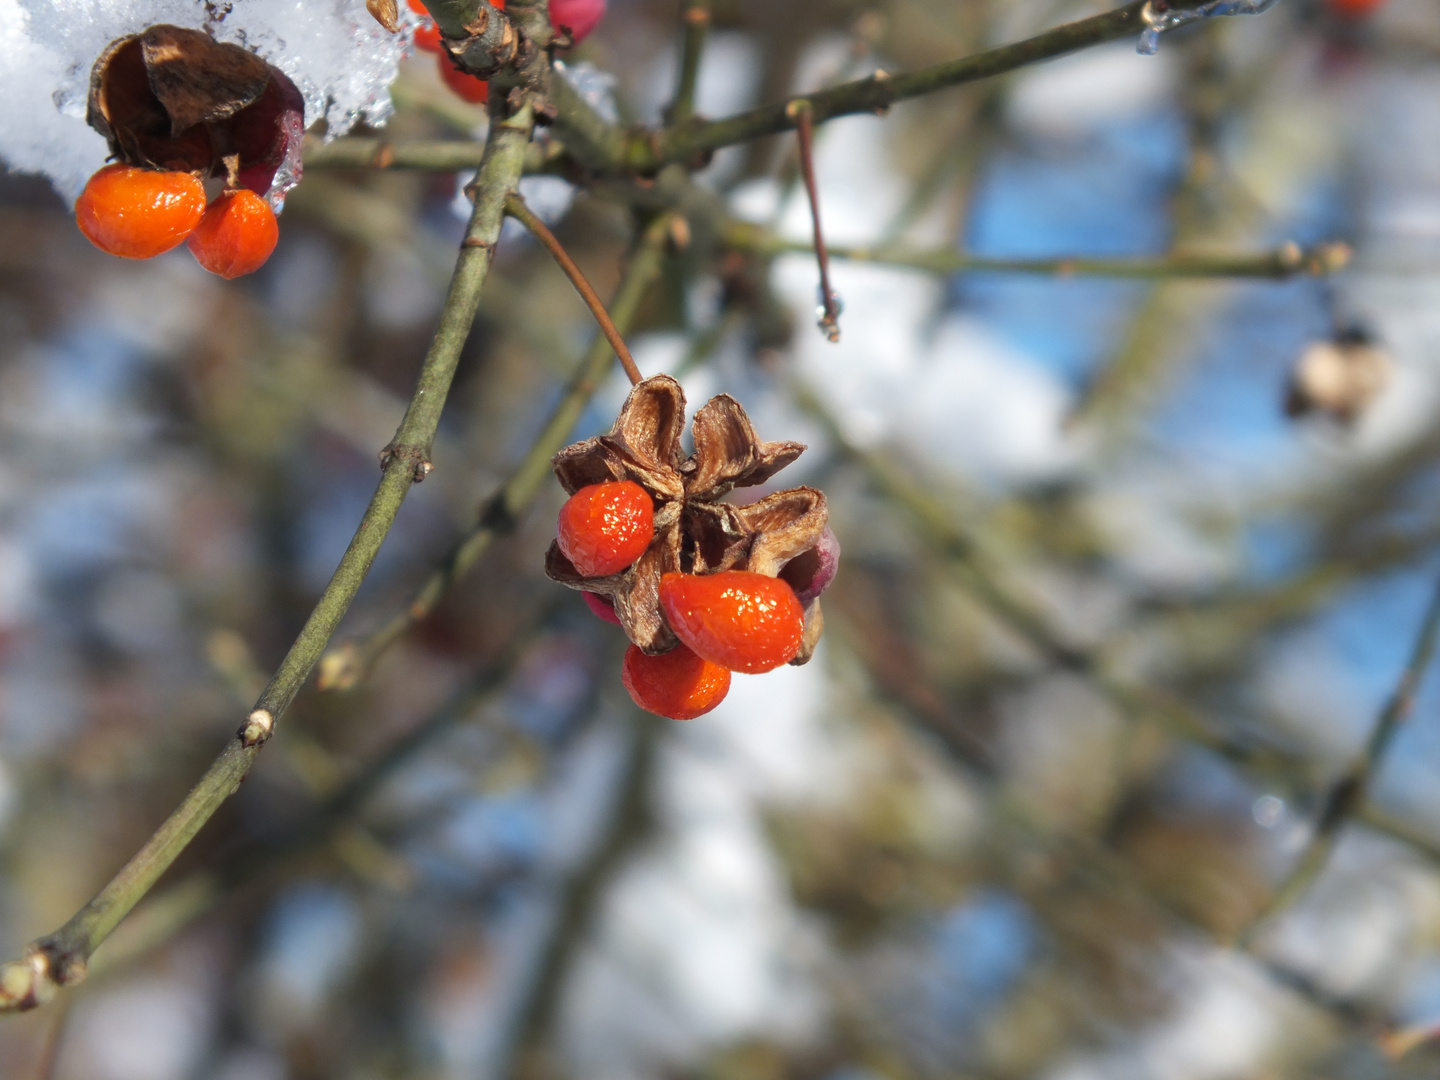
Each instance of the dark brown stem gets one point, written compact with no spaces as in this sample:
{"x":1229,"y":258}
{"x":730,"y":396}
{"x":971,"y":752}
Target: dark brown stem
{"x":805,"y":129}
{"x":515,"y":206}
{"x":54,"y":1040}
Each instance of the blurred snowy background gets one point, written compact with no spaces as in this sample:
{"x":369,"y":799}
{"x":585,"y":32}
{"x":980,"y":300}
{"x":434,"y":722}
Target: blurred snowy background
{"x":940,"y":850}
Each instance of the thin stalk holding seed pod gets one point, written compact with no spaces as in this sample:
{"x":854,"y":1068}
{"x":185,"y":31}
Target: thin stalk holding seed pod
{"x":804,"y":119}
{"x":346,"y":664}
{"x":515,"y":206}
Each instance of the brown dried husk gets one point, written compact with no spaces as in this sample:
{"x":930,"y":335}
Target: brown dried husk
{"x":174,"y":98}
{"x":694,"y":534}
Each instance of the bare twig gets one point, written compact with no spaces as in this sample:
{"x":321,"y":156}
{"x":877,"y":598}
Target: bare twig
{"x":607,"y":149}
{"x":829,"y":302}
{"x":170,"y":911}
{"x":515,"y":206}
{"x":572,"y":900}
{"x":697,"y":28}
{"x":438,"y":155}
{"x":1287,"y":261}
{"x":49,"y":1059}
{"x":684,"y":142}
{"x":62,"y":957}
{"x":1349,"y":792}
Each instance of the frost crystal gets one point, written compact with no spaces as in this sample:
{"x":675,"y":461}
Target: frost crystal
{"x":342,"y":61}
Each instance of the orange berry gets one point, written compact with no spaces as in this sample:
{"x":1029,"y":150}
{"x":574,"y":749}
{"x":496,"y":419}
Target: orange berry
{"x":236,"y":235}
{"x":427,"y":37}
{"x":1355,"y":9}
{"x":677,"y":684}
{"x":745,"y":621}
{"x":465,"y":86}
{"x":606,"y":527}
{"x":138,"y":213}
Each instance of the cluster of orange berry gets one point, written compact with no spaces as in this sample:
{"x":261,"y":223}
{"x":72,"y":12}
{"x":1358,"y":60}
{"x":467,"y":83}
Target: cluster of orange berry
{"x":734,"y":620}
{"x":138,"y":213}
{"x":573,"y":17}
{"x":176,"y":108}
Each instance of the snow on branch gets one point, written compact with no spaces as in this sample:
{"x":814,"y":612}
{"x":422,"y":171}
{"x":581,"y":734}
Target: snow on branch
{"x":341,"y":60}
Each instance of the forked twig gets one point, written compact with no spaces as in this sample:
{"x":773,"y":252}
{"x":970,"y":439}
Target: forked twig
{"x":697,"y":28}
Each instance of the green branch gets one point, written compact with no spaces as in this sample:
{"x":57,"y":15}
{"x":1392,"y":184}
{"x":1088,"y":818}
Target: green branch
{"x":440,"y":155}
{"x":605,"y":148}
{"x":345,"y":665}
{"x":697,"y":29}
{"x":694,"y":141}
{"x":171,"y":910}
{"x":62,"y":957}
{"x":1289,"y":260}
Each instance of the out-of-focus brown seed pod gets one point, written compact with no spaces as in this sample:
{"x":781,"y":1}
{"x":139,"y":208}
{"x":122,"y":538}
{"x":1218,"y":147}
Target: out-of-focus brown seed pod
{"x":386,"y":13}
{"x":1339,"y":377}
{"x":175,"y":98}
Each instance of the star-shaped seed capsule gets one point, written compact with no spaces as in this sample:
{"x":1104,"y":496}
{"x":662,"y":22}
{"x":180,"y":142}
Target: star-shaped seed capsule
{"x":783,"y":535}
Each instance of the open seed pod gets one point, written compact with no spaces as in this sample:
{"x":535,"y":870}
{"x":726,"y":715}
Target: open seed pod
{"x":785,"y":534}
{"x":174,"y":98}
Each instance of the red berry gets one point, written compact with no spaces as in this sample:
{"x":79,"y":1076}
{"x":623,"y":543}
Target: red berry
{"x":427,"y":37}
{"x":677,"y":684}
{"x":1355,"y":9}
{"x":236,"y":235}
{"x":602,"y":606}
{"x":465,"y":86}
{"x":139,"y":213}
{"x":580,"y":16}
{"x":746,"y":621}
{"x":606,"y":527}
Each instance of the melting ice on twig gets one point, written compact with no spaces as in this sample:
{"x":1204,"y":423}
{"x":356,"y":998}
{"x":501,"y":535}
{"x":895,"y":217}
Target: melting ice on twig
{"x":1159,"y":16}
{"x":828,"y":316}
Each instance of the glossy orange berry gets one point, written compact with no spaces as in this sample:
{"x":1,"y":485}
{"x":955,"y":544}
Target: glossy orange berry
{"x":427,"y":37}
{"x":138,"y":213}
{"x":606,"y":527}
{"x":467,"y":87}
{"x":236,"y":235}
{"x":742,"y":620}
{"x":677,"y":684}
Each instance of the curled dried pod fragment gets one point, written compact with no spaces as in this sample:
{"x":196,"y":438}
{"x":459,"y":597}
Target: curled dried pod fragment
{"x":174,"y":98}
{"x":1339,"y":378}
